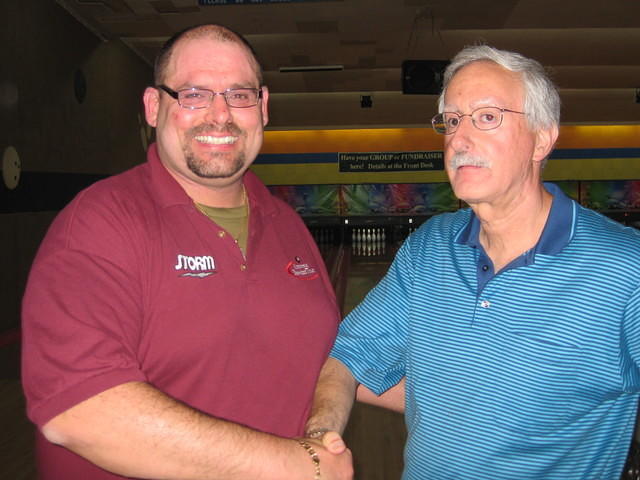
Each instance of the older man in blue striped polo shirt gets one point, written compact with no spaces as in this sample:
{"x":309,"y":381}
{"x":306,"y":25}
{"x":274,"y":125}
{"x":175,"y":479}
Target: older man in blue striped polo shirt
{"x":516,"y":322}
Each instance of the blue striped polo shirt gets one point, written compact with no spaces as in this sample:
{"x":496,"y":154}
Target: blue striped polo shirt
{"x":531,"y":373}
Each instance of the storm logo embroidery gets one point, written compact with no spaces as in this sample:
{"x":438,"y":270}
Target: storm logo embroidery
{"x":197,"y":266}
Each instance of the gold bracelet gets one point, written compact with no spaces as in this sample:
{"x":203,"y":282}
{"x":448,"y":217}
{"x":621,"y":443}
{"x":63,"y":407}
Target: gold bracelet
{"x":314,"y":457}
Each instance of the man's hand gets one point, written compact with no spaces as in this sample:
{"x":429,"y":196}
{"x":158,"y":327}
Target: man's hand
{"x":336,"y":461}
{"x":334,"y":443}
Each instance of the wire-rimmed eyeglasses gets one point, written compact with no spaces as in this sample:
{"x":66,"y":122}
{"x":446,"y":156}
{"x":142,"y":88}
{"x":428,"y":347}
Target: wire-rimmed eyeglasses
{"x":194,"y":98}
{"x":483,"y":118}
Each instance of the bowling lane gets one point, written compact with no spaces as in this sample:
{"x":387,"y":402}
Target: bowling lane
{"x":376,"y":436}
{"x":363,"y":275}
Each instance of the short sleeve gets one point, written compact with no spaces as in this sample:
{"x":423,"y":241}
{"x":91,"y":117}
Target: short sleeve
{"x":81,"y":311}
{"x":372,"y":338}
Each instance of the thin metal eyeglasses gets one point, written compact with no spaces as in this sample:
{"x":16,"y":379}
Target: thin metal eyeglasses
{"x":483,"y":118}
{"x":195,"y":98}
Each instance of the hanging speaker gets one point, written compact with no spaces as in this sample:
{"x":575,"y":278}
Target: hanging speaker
{"x":423,"y":76}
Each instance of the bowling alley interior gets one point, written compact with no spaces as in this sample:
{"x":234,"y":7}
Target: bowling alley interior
{"x":349,"y":144}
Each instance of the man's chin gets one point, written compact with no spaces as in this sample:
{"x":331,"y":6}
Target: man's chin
{"x":215,"y":175}
{"x":469,"y":193}
{"x":216,"y":171}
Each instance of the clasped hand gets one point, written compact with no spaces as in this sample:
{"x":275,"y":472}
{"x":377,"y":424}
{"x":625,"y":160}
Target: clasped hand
{"x":336,"y":461}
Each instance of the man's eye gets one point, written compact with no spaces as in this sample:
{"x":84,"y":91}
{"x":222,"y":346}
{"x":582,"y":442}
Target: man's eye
{"x":487,"y":118}
{"x":194,"y":95}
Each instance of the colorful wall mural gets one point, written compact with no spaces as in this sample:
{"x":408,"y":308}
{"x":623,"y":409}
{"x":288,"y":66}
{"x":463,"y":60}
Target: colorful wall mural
{"x":432,"y":198}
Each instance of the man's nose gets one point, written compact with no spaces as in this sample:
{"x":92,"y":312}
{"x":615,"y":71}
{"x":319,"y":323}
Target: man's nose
{"x":460,"y":140}
{"x":218,"y":111}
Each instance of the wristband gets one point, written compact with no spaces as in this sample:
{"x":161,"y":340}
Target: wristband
{"x":316,"y":433}
{"x":314,"y":457}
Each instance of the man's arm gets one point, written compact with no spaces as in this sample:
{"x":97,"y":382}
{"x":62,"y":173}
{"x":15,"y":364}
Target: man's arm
{"x":392,"y":399}
{"x":136,"y":430}
{"x":335,"y":393}
{"x":333,"y":400}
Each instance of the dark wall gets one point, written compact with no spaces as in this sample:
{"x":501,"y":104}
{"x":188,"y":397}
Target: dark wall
{"x":70,"y":105}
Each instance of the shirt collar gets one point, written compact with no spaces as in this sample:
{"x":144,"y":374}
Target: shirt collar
{"x":167,"y":190}
{"x":557,"y":233}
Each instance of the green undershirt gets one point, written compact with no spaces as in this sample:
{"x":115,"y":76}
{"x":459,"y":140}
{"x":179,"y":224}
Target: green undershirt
{"x":234,"y":220}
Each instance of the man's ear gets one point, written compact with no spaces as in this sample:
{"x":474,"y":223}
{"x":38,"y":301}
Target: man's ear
{"x":151,"y":100}
{"x":265,"y":106}
{"x":545,"y":141}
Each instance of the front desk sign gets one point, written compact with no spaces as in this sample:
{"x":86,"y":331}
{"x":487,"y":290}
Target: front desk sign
{"x":390,"y":161}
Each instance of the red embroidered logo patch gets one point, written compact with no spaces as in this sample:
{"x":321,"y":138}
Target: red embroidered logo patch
{"x":301,"y":270}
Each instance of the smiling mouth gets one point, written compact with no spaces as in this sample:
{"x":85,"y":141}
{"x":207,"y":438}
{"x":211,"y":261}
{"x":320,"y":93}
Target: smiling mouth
{"x":228,"y":140}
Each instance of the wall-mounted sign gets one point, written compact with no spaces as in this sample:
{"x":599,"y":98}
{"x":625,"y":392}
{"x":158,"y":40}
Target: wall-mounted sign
{"x":208,"y":3}
{"x":390,"y":161}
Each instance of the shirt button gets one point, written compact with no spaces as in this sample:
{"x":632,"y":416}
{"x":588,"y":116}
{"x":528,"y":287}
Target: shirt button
{"x":485,"y":268}
{"x":221,"y":233}
{"x":485,"y":303}
{"x":243,"y":267}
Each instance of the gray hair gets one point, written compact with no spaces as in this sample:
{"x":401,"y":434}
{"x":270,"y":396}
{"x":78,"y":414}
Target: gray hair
{"x":541,"y":98}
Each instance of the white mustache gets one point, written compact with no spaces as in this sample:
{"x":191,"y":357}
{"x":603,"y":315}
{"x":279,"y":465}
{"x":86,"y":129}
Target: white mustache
{"x":468,"y":160}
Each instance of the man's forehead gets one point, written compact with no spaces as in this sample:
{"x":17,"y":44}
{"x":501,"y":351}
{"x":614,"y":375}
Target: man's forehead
{"x":481,"y":84}
{"x":473,"y":102}
{"x":209,"y":54}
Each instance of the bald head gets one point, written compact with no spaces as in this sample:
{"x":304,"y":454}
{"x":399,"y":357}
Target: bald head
{"x":211,"y":31}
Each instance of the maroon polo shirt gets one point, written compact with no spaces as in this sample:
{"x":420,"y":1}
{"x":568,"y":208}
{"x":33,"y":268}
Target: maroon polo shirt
{"x":133,"y":283}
